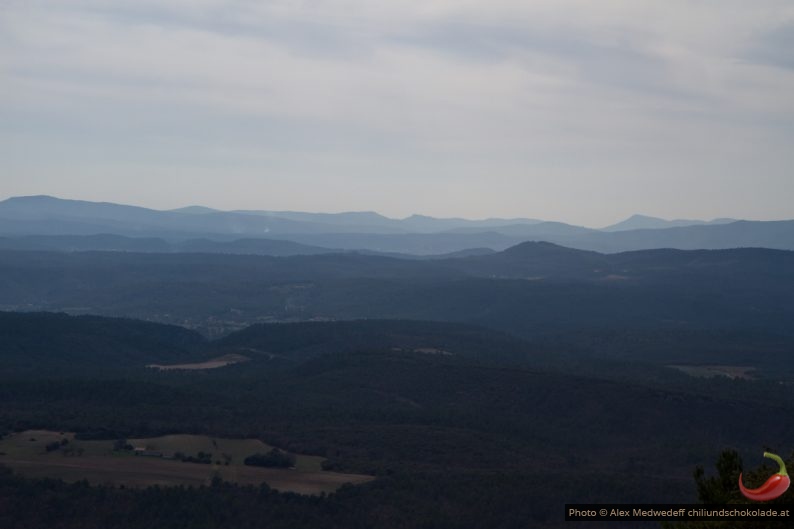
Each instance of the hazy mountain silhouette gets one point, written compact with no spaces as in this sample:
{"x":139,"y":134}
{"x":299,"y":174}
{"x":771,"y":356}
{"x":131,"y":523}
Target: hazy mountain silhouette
{"x":371,"y":232}
{"x":740,"y":234}
{"x":120,"y":243}
{"x":81,"y":243}
{"x":195,"y":210}
{"x":644,"y":222}
{"x":46,"y":215}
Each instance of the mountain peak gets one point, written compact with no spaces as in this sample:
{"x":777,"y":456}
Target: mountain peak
{"x":540,"y":248}
{"x":29,"y":198}
{"x":645,"y":222}
{"x":640,"y":217}
{"x":194,"y":210}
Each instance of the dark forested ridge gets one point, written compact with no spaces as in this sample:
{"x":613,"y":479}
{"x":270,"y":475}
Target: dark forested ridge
{"x":529,"y":289}
{"x":481,"y":391}
{"x":41,"y":342}
{"x":300,"y":341}
{"x":498,"y":439}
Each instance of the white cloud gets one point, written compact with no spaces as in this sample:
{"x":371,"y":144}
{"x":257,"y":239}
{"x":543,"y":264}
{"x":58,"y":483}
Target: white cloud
{"x":571,"y":88}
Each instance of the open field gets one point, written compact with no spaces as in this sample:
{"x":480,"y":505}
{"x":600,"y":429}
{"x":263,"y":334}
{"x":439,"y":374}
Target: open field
{"x":743,"y":372}
{"x":236,"y":449}
{"x":221,"y":361}
{"x":97,"y":462}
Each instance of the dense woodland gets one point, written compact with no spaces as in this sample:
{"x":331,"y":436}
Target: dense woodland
{"x":527,"y":397}
{"x":497,"y":439}
{"x":531,"y":290}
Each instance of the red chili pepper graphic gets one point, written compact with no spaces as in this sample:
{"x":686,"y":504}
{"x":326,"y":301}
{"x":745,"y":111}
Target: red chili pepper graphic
{"x":774,"y":487}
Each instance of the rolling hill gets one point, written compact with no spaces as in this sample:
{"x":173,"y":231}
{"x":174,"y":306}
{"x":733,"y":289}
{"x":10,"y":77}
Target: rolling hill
{"x":369,"y":231}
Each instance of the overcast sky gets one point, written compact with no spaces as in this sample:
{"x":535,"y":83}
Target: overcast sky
{"x":580,"y":111}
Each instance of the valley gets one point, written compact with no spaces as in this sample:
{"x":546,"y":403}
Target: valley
{"x":396,"y":383}
{"x":343,"y":264}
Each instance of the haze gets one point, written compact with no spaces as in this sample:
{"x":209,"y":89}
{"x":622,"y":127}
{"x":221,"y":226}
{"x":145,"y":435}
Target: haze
{"x":579,"y":111}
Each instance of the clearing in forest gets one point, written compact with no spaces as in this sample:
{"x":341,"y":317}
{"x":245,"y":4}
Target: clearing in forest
{"x":156,"y":461}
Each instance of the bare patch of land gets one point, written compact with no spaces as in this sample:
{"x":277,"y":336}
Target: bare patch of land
{"x":424,"y":350}
{"x":432,"y":351}
{"x":221,"y":361}
{"x":99,"y":462}
{"x":709,"y":371}
{"x":145,"y":471}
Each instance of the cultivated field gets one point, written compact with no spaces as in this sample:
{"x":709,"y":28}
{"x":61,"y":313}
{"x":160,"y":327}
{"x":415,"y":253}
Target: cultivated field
{"x":215,"y":363}
{"x":743,"y":372}
{"x":98,"y":462}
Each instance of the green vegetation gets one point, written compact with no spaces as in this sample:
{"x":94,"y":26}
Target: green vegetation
{"x":531,"y":290}
{"x":47,"y":343}
{"x":536,"y":393}
{"x":273,"y":459}
{"x":158,"y":460}
{"x":721,"y":488}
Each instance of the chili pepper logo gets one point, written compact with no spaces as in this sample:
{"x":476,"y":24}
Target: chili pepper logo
{"x":774,"y":487}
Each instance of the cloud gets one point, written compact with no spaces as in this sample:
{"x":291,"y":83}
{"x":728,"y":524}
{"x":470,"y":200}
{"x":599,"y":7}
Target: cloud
{"x":775,"y":47}
{"x":519,"y":92}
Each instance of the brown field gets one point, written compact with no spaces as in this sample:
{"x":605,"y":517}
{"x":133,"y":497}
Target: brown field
{"x":96,"y":462}
{"x":236,"y":449}
{"x":432,"y":351}
{"x":424,"y":350}
{"x":743,"y":372}
{"x":221,"y":361}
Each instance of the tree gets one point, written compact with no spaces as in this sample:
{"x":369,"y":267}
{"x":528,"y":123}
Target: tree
{"x":723,"y":489}
{"x":274,"y":459}
{"x":121,"y":444}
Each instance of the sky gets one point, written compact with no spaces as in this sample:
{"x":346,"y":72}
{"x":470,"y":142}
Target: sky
{"x":579,"y":111}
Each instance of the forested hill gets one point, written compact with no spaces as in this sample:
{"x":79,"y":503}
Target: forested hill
{"x":536,"y":260}
{"x":416,"y":404}
{"x":41,"y":343}
{"x":543,"y":260}
{"x":54,"y":344}
{"x":309,"y":339}
{"x":528,"y":289}
{"x":51,"y":343}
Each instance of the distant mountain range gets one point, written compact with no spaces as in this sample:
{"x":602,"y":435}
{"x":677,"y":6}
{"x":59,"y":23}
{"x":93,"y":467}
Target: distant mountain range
{"x":643,"y":222}
{"x":121,"y":243}
{"x":49,"y":223}
{"x":53,"y":216}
